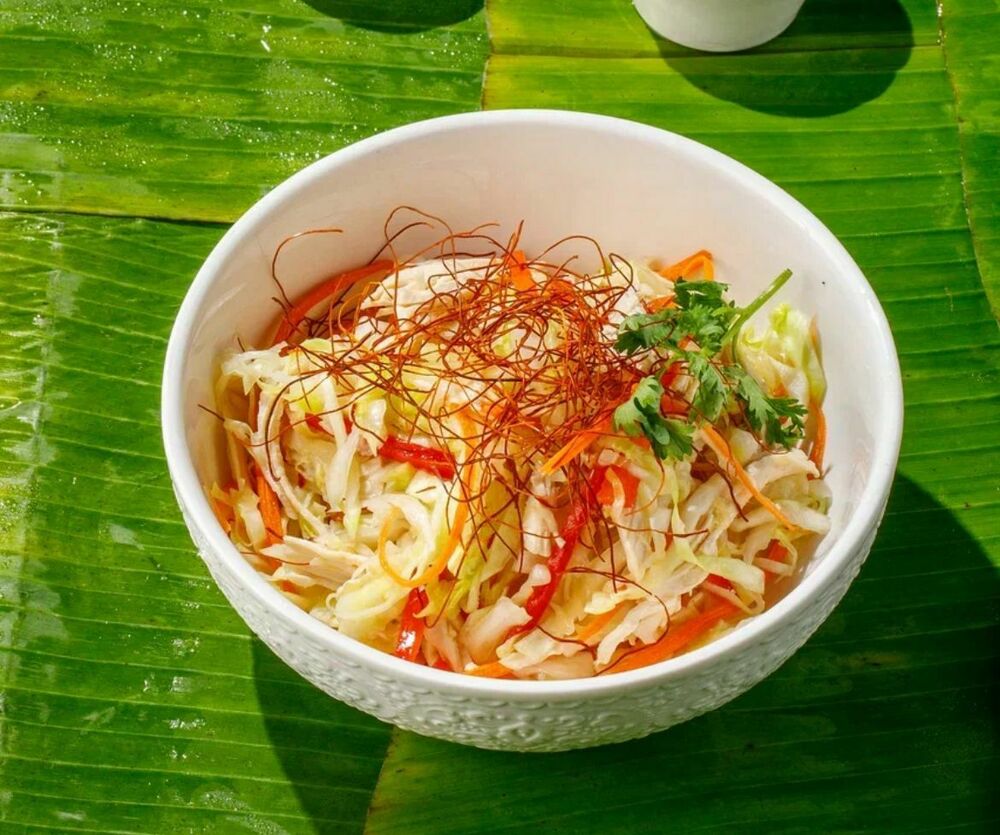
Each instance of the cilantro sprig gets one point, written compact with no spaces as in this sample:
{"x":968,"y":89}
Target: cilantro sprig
{"x":641,"y":415}
{"x":697,"y":331}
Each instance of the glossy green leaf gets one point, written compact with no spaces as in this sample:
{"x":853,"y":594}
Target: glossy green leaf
{"x":195,"y":109}
{"x":885,"y":721}
{"x":133,"y":699}
{"x":612,"y":27}
{"x":971,"y":31}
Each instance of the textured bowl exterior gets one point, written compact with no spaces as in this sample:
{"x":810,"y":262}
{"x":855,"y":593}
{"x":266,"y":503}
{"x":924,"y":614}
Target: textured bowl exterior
{"x":533,"y":723}
{"x":466,"y":164}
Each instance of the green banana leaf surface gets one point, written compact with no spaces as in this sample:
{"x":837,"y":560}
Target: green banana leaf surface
{"x":133,"y":699}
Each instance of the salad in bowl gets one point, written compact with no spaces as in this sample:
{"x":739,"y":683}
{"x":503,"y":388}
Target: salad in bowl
{"x":497,"y":464}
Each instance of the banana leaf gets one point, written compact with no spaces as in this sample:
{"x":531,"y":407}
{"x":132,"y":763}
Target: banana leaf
{"x":133,"y":699}
{"x":194,"y":110}
{"x":885,"y":721}
{"x":611,"y":27}
{"x":971,"y":31}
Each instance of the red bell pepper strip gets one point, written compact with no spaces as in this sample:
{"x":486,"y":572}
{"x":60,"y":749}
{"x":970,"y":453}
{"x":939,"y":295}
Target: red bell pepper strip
{"x":671,"y":405}
{"x":314,"y":423}
{"x":425,"y":458}
{"x":411,"y":628}
{"x":561,"y":554}
{"x":673,"y":371}
{"x":296,"y":313}
{"x":629,"y":483}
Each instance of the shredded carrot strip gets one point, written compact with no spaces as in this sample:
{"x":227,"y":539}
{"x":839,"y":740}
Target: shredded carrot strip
{"x":270,"y":509}
{"x":492,"y":670}
{"x":293,"y":318}
{"x":450,"y":544}
{"x":628,"y":482}
{"x":520,"y":274}
{"x":819,"y":442}
{"x":289,"y":586}
{"x":668,"y":377}
{"x":598,"y":622}
{"x":575,"y":446}
{"x":775,"y":557}
{"x":701,"y":259}
{"x":383,"y":538}
{"x":674,"y":640}
{"x":224,"y":513}
{"x":721,"y":448}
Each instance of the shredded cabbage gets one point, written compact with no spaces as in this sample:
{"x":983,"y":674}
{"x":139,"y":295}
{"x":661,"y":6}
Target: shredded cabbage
{"x":374,"y":496}
{"x":784,"y":355}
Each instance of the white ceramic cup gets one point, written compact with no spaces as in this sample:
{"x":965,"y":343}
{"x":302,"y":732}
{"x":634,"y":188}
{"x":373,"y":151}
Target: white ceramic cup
{"x":719,"y":25}
{"x":640,"y":191}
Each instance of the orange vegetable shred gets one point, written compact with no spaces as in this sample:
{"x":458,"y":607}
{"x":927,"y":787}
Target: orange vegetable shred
{"x":294,"y":317}
{"x":576,"y":446}
{"x":819,"y":441}
{"x":598,"y":622}
{"x":492,"y":670}
{"x":520,"y":274}
{"x":721,"y":448}
{"x":629,"y":484}
{"x":701,"y":260}
{"x":675,"y":639}
{"x":270,"y":509}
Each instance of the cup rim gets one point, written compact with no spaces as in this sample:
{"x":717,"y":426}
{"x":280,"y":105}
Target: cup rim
{"x":191,"y":496}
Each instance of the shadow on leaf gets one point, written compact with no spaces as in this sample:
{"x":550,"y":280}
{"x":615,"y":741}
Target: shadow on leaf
{"x":330,"y":752}
{"x":396,"y":15}
{"x":881,"y":722}
{"x":798,"y":75}
{"x":884,"y":721}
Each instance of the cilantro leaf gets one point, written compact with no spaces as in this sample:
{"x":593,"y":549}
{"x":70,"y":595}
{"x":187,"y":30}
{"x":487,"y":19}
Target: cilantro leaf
{"x":704,"y":325}
{"x":780,"y":419}
{"x":642,"y":331}
{"x":641,"y":415}
{"x":699,"y":314}
{"x":696,"y":331}
{"x":712,"y":394}
{"x":692,"y":294}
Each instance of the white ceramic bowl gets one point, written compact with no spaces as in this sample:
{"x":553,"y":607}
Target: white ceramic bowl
{"x":640,"y":191}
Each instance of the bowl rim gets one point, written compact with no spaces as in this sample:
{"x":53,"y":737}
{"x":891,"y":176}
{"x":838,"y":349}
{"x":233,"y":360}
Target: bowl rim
{"x":190,"y":494}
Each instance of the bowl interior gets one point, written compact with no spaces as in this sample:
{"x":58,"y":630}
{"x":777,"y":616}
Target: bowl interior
{"x":640,"y":192}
